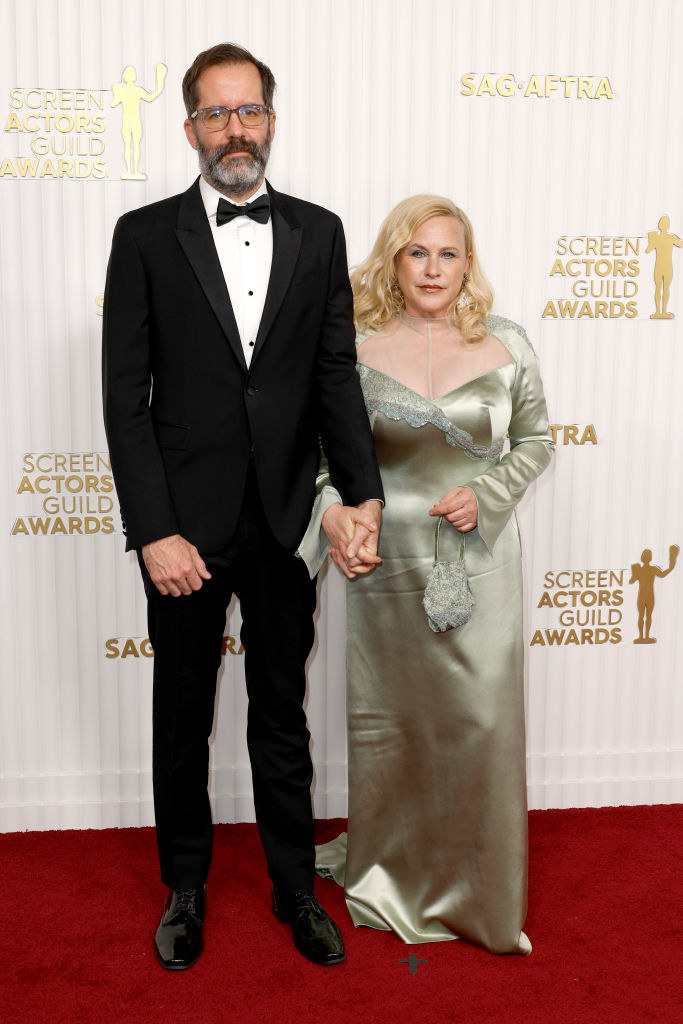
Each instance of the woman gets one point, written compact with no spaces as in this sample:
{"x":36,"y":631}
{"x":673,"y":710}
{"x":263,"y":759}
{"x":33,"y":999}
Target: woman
{"x":437,"y":838}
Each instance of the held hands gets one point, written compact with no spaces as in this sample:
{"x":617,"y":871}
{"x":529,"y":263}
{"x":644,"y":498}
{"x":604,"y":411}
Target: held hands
{"x":174,"y":565}
{"x":459,"y":507}
{"x":353,"y":534}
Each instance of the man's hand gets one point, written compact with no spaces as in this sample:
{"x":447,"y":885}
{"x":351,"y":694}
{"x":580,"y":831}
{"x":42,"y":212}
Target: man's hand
{"x":354,"y":534}
{"x":174,"y":565}
{"x":459,"y":507}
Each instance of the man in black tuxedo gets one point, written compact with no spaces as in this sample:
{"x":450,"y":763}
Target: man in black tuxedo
{"x":228,"y":356}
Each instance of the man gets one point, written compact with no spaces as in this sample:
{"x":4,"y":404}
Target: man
{"x":228,"y":355}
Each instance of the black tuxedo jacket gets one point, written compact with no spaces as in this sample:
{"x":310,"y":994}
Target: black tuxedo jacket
{"x":182,"y":411}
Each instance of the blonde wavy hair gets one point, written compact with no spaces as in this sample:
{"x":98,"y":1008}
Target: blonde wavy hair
{"x":377,"y":297}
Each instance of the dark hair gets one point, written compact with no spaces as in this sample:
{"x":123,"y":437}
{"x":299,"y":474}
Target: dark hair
{"x":224,"y":53}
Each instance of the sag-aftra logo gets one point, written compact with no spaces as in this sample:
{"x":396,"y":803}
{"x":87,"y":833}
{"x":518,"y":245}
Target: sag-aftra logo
{"x":541,"y":87}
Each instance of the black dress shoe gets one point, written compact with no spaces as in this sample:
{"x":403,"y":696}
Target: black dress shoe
{"x":178,"y":939}
{"x":315,"y":934}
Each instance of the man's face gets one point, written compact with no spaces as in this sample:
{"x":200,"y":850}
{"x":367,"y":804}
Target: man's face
{"x":233,"y":159}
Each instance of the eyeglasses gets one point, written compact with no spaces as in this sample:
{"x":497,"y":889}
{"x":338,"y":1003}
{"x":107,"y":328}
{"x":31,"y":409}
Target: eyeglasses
{"x":250,"y":115}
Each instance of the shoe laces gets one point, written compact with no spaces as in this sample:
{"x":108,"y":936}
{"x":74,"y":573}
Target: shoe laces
{"x":185,"y":899}
{"x":304,"y":901}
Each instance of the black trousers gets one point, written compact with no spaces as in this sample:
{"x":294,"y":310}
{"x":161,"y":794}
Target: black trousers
{"x":277,"y":602}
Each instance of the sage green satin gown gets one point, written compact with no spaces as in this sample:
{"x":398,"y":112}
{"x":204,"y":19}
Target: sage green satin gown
{"x":437,"y":834}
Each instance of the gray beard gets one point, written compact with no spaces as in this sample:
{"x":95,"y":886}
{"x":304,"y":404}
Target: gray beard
{"x":240,"y":176}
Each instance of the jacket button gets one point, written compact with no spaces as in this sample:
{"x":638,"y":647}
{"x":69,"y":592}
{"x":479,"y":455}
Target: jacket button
{"x":251,"y":390}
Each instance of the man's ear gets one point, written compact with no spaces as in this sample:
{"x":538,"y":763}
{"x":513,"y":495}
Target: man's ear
{"x":190,"y":135}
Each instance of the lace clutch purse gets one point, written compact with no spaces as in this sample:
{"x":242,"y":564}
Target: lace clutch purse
{"x":447,"y":599}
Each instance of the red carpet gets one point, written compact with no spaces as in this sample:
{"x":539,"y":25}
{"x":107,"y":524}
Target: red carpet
{"x":79,"y":910}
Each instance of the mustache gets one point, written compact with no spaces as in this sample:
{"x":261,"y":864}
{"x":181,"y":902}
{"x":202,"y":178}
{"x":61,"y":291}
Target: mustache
{"x":237,"y":146}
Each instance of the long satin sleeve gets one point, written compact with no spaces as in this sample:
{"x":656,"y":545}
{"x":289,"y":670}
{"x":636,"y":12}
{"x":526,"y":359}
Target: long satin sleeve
{"x":501,"y":488}
{"x":315,"y":545}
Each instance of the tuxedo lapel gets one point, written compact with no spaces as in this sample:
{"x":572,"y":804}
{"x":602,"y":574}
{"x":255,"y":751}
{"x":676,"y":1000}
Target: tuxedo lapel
{"x":194,"y":234}
{"x":286,"y":245}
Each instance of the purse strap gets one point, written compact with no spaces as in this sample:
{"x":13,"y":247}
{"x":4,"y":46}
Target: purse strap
{"x":436,"y":542}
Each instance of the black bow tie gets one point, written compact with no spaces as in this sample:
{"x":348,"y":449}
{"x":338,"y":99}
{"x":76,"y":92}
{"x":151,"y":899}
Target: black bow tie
{"x":259,"y":210}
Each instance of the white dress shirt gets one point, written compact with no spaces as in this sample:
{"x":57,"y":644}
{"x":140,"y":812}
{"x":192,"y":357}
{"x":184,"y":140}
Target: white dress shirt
{"x":245,"y":251}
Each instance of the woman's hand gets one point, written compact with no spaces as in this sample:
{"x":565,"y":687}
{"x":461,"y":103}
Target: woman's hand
{"x":459,"y":507}
{"x":353,"y":534}
{"x":362,"y":563}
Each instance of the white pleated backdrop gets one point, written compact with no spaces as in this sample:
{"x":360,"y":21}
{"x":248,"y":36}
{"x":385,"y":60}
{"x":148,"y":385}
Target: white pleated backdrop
{"x":372,"y":106}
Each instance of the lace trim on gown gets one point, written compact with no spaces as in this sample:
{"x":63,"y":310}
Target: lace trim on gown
{"x":399,"y":402}
{"x":495,"y":322}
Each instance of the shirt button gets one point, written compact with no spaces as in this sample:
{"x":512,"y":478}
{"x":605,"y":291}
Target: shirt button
{"x":246,"y":243}
{"x":250,"y":293}
{"x":251,"y":344}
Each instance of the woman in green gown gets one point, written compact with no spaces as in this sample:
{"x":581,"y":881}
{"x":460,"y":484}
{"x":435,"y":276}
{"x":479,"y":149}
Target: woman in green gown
{"x":437,"y":837}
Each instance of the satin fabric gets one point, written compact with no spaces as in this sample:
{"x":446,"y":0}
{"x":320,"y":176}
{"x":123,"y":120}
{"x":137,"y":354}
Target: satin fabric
{"x":437,"y":840}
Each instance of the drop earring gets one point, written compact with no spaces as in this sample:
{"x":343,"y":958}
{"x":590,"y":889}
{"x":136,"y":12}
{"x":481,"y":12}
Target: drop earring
{"x":463,"y":301}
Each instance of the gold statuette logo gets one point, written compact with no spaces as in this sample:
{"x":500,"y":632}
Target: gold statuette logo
{"x":588,"y":605}
{"x":662,"y":242}
{"x":130,"y":96}
{"x":644,"y":574}
{"x":67,"y":133}
{"x":600,"y":275}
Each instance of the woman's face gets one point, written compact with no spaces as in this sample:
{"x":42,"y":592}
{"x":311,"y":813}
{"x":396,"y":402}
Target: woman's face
{"x":431,"y":267}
